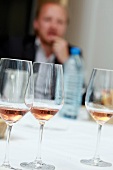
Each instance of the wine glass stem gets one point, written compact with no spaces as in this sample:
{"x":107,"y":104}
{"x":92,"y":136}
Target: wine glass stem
{"x":6,"y":159}
{"x":96,"y":156}
{"x":38,"y":158}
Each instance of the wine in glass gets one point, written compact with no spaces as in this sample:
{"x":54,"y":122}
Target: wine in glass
{"x":99,"y":103}
{"x":16,"y":95}
{"x":48,"y":100}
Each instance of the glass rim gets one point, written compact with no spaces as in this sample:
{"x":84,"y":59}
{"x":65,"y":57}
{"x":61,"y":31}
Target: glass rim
{"x":102,"y":69}
{"x":29,"y":61}
{"x":36,"y":62}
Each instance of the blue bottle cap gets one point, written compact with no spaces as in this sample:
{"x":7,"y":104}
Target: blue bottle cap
{"x":75,"y":50}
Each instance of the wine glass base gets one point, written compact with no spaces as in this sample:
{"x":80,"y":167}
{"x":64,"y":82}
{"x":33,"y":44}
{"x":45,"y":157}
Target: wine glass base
{"x":7,"y":167}
{"x":37,"y":166}
{"x":96,"y":162}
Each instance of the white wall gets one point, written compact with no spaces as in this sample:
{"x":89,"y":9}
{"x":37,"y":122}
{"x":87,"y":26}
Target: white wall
{"x":91,"y":28}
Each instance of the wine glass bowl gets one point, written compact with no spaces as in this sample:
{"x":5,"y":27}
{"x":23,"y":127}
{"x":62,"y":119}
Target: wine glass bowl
{"x":48,"y":100}
{"x":99,"y":103}
{"x":16,"y":95}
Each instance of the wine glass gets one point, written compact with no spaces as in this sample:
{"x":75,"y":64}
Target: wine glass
{"x":16,"y":95}
{"x":48,"y":100}
{"x":99,"y":103}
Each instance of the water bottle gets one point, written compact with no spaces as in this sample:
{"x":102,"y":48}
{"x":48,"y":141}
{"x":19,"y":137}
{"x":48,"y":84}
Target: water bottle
{"x":73,"y":84}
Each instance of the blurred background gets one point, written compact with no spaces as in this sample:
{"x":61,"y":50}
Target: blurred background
{"x":90,"y":27}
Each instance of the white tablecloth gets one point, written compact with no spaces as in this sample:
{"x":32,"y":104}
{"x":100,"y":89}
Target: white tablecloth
{"x":65,"y":142}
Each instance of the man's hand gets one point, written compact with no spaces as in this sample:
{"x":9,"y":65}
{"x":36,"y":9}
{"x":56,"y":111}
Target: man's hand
{"x":60,"y":49}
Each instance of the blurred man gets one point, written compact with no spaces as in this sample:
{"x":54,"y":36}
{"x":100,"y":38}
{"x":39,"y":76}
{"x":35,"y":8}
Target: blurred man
{"x":48,"y":44}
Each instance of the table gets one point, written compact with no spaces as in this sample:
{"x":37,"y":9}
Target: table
{"x":65,"y":142}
